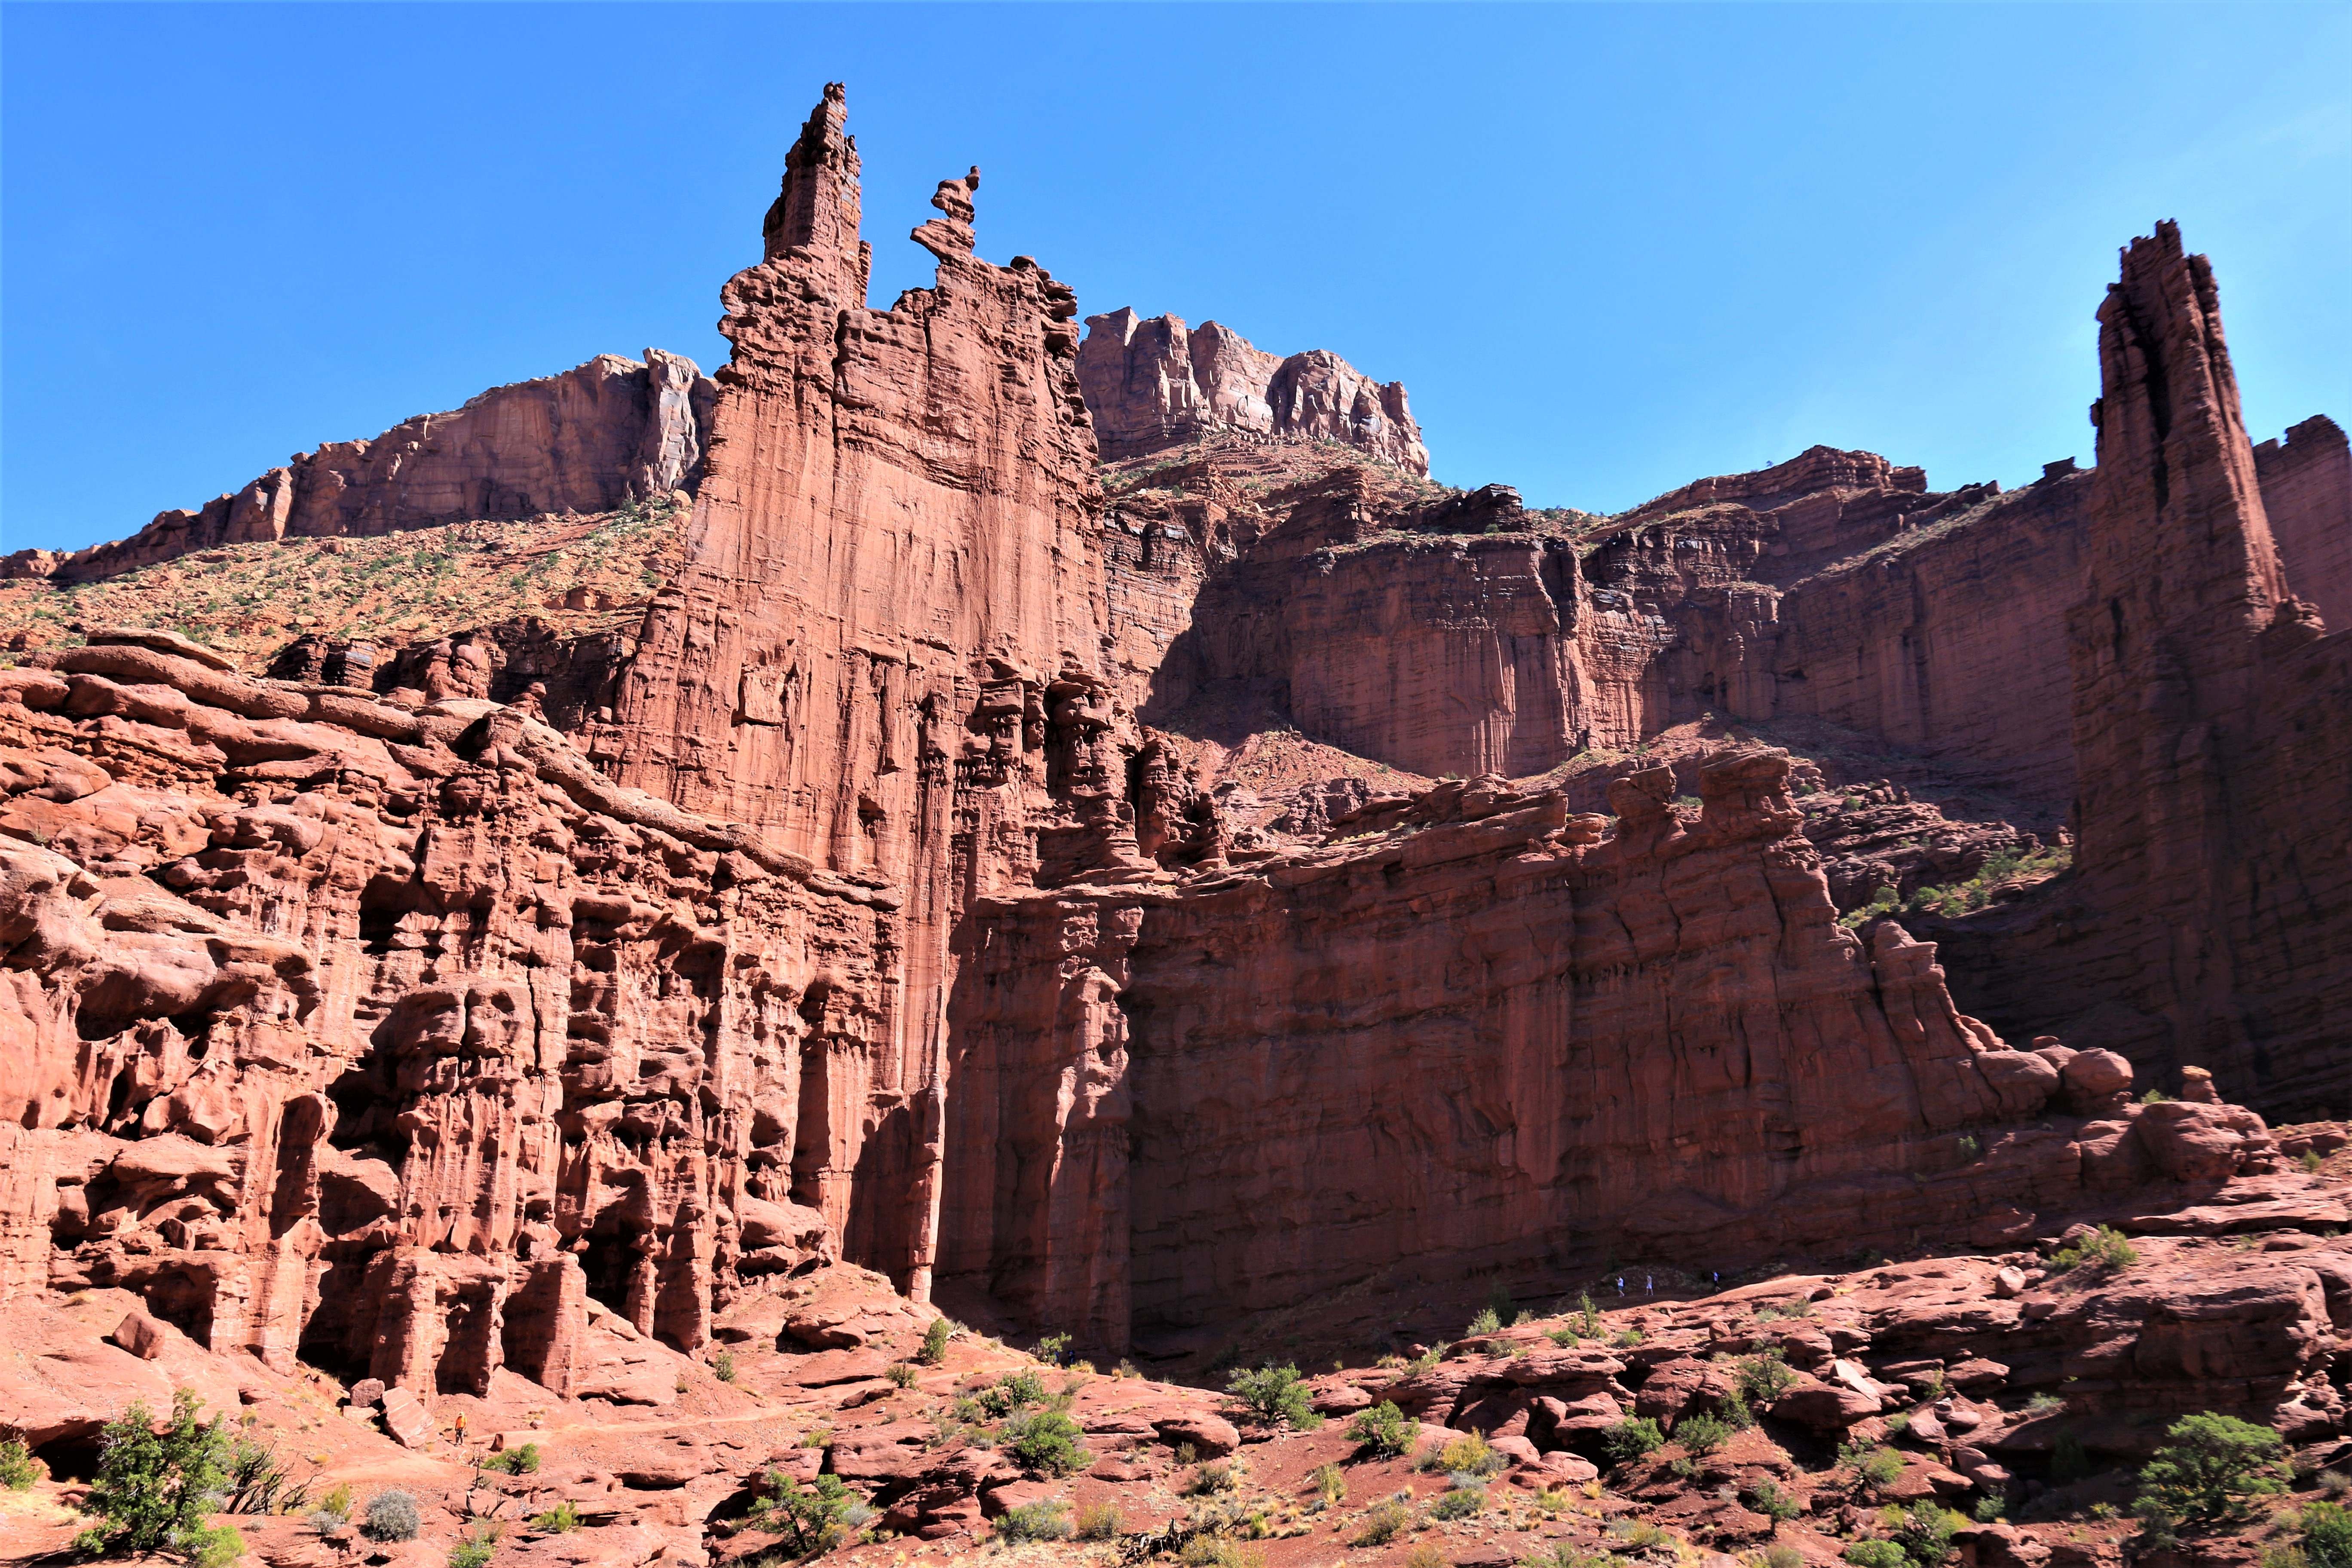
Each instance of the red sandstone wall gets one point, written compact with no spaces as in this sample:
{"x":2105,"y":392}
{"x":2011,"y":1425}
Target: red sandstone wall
{"x":882,"y":654}
{"x":584,"y":441}
{"x":2308,"y":495}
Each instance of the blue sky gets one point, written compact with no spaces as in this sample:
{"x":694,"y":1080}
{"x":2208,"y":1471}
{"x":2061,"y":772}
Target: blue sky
{"x":1608,"y":249}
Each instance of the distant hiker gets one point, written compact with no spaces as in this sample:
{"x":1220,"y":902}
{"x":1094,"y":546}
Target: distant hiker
{"x":1649,"y":1284}
{"x":1621,"y":1284}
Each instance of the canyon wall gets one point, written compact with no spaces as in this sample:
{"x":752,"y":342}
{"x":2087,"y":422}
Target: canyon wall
{"x":882,"y":654}
{"x":2306,"y":483}
{"x":1645,"y":1037}
{"x":585,"y":441}
{"x":2210,"y":920}
{"x":396,"y":1036}
{"x":1153,"y":384}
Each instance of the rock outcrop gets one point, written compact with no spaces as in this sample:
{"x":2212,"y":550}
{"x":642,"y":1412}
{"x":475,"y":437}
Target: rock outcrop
{"x":882,"y":654}
{"x":584,"y":441}
{"x":1152,"y":385}
{"x":2210,"y":922}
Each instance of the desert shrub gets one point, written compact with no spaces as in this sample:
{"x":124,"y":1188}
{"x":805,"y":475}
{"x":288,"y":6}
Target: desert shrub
{"x":1387,"y":1431}
{"x":390,"y":1516}
{"x":2211,"y":1465}
{"x":1765,"y":1376}
{"x":18,"y":1468}
{"x":1876,"y":1554}
{"x":1330,"y":1483}
{"x":1565,"y":1334}
{"x":1924,"y":1531}
{"x":1459,"y":1502}
{"x":1044,"y":1442}
{"x":901,"y":1373}
{"x":1097,"y":1521}
{"x":1046,"y":1520}
{"x":1274,"y":1395}
{"x":1701,"y":1435}
{"x":156,"y":1491}
{"x":1486,"y":1322}
{"x":2327,"y":1535}
{"x":812,"y":1518}
{"x":1211,"y":1479}
{"x":1053,"y":1350}
{"x":935,"y":1342}
{"x":1469,"y":1454}
{"x":1564,"y":1554}
{"x":2068,"y":1461}
{"x":1425,"y":1555}
{"x":1767,"y":1499}
{"x":1011,"y":1392}
{"x":215,"y":1546}
{"x":2311,"y":1160}
{"x":1632,"y":1437}
{"x":326,"y":1524}
{"x":1627,"y":1339}
{"x":2103,"y":1251}
{"x":1382,"y":1523}
{"x":340,"y":1498}
{"x":1780,"y":1555}
{"x":522,"y":1461}
{"x":476,"y":1548}
{"x":560,"y":1519}
{"x":1989,"y":1509}
{"x":1881,"y":1468}
{"x":2044,"y":1405}
{"x":722,"y":1366}
{"x":1640,"y":1534}
{"x":2335,"y":1483}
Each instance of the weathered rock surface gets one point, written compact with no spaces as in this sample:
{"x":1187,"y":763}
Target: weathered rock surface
{"x":584,"y":441}
{"x":1152,"y":385}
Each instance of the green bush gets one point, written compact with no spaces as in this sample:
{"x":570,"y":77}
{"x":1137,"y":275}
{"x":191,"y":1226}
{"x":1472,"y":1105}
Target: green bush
{"x":1046,"y":1520}
{"x":812,"y":1518}
{"x":901,"y":1373}
{"x":1486,"y":1322}
{"x":722,"y":1366}
{"x":935,"y":1343}
{"x":1632,"y":1437}
{"x":1387,"y":1431}
{"x":1098,"y":1521}
{"x":1277,"y":1396}
{"x":1044,"y":1442}
{"x":1767,"y":1499}
{"x":1330,"y":1483}
{"x":1468,"y":1455}
{"x":18,"y":1470}
{"x":1627,"y":1339}
{"x":1014,"y":1391}
{"x":560,"y":1519}
{"x":2102,"y":1252}
{"x":522,"y":1461}
{"x":2327,"y":1535}
{"x":1876,"y":1554}
{"x":391,"y":1515}
{"x":1053,"y":1350}
{"x":1989,"y":1509}
{"x":1701,"y":1435}
{"x":1211,"y":1479}
{"x":1765,"y":1376}
{"x":216,"y":1546}
{"x":1382,"y":1523}
{"x":156,"y":1491}
{"x":1458,"y":1502}
{"x":476,"y":1549}
{"x":2211,"y":1465}
{"x":1925,"y":1532}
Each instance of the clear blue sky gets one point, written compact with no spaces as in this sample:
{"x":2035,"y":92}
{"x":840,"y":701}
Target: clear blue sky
{"x":1608,"y":249}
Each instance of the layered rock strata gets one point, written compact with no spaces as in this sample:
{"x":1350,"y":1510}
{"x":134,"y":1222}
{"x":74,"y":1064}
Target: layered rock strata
{"x":2210,"y":924}
{"x":397,"y":1037}
{"x":1153,"y":384}
{"x":584,"y":441}
{"x":883,"y":652}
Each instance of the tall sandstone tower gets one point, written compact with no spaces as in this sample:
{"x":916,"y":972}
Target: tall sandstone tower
{"x":881,"y":654}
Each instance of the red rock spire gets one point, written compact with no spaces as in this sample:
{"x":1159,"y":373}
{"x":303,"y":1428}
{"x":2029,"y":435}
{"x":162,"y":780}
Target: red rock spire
{"x":818,"y":209}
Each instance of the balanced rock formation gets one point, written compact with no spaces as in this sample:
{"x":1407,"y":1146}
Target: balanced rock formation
{"x":1152,"y":385}
{"x":584,"y":441}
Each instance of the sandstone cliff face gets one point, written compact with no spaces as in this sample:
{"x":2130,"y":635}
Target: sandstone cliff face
{"x":394,"y":1035}
{"x":584,"y":441}
{"x":1152,"y":385}
{"x":2306,"y":481}
{"x":2210,"y":920}
{"x":1264,"y":1082}
{"x":882,"y":652}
